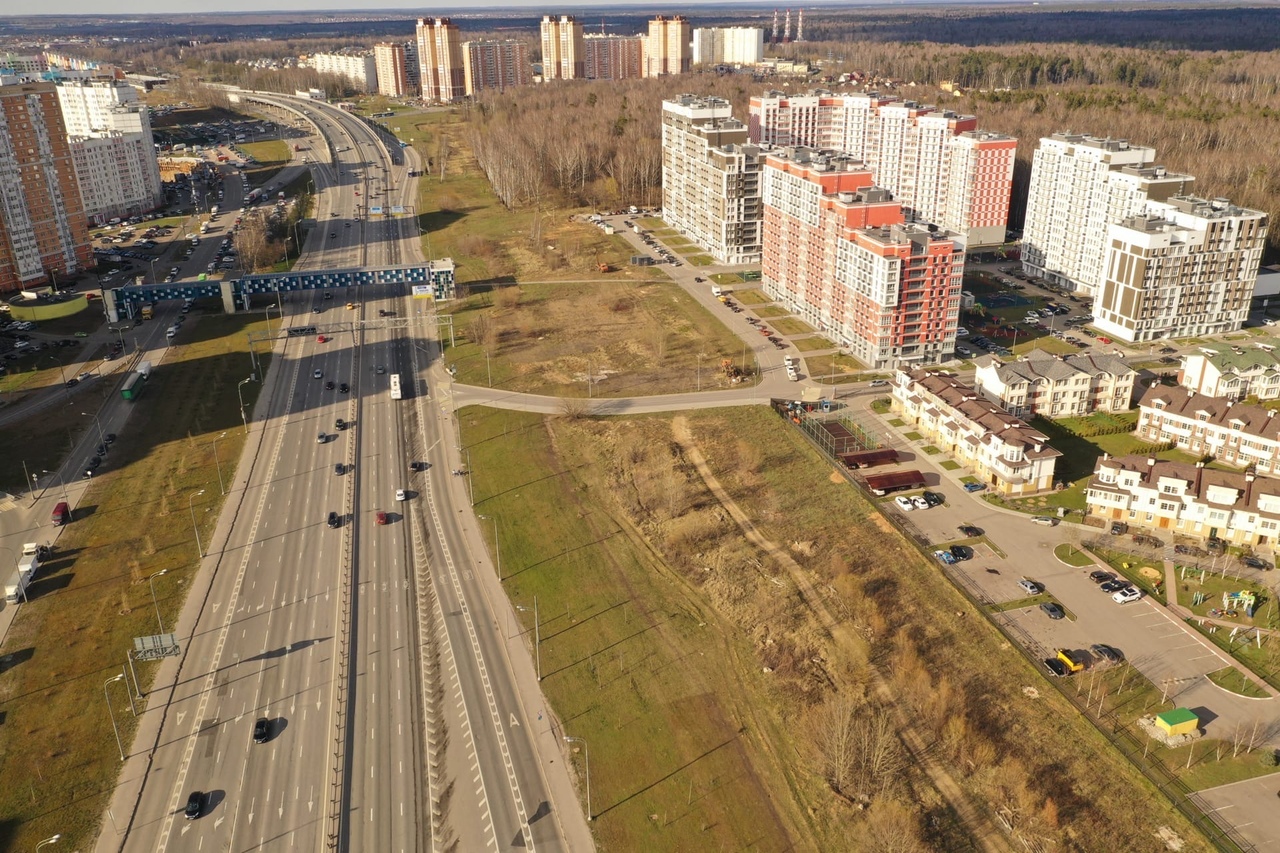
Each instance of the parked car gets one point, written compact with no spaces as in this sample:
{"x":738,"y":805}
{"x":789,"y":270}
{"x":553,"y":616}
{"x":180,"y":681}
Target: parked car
{"x":974,"y":487}
{"x":904,"y":503}
{"x":1056,"y":668}
{"x":920,"y":503}
{"x":970,"y":530}
{"x":1113,"y":585}
{"x":879,"y":383}
{"x":945,"y":556}
{"x":1105,"y":652}
{"x":1046,"y":520}
{"x":933,"y":498}
{"x":1052,"y":610}
{"x":1030,"y":587}
{"x":1127,"y":595}
{"x":961,"y":552}
{"x":1101,"y":577}
{"x":1257,"y":563}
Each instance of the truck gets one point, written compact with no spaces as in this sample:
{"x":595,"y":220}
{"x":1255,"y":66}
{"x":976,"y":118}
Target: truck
{"x":895,"y":481}
{"x":133,"y":386}
{"x":145,"y":369}
{"x":147,"y":312}
{"x":30,"y":560}
{"x":213,"y":212}
{"x":16,"y":588}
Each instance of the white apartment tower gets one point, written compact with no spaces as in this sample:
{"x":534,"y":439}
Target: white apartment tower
{"x":938,"y":165}
{"x":112,"y":148}
{"x":563,"y":53}
{"x":711,"y":178}
{"x":728,"y":46}
{"x":1081,"y":186}
{"x":667,"y":47}
{"x":360,"y":69}
{"x":1181,"y":268}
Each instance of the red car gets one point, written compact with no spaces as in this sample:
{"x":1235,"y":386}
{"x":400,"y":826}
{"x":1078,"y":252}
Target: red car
{"x":381,"y":517}
{"x":1103,"y":340}
{"x":321,"y":339}
{"x":765,"y":331}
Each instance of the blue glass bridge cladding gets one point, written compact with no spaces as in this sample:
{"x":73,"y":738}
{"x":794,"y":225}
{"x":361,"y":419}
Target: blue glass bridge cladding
{"x":437,"y":274}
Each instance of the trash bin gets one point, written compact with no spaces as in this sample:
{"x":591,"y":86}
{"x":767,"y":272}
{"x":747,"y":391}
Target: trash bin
{"x":826,"y":405}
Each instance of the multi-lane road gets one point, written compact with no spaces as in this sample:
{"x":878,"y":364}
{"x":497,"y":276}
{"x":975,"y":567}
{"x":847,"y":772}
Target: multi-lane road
{"x":398,"y":715}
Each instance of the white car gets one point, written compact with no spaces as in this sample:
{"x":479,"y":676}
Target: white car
{"x":904,"y":503}
{"x":400,"y":495}
{"x":317,"y":375}
{"x":1126,"y":595}
{"x":962,"y":332}
{"x":919,"y":502}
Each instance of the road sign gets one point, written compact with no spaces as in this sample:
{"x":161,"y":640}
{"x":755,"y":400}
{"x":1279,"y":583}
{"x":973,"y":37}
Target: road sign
{"x":156,"y":646}
{"x":375,"y":210}
{"x":423,"y":291}
{"x":397,"y":210}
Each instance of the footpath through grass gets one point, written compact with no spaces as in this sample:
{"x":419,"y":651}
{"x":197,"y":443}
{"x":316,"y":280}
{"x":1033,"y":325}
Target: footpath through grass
{"x":59,"y":758}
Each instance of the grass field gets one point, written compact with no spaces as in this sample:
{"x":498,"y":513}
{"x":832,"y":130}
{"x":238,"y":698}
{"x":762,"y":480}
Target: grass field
{"x":770,"y":312}
{"x":792,"y":326}
{"x":272,"y":155}
{"x":461,"y":218}
{"x":93,"y":600}
{"x":1230,"y":678}
{"x":47,"y":367}
{"x":633,"y":339}
{"x":1071,"y":555}
{"x":43,"y":441}
{"x":748,"y":297}
{"x":685,"y":657}
{"x":812,"y":343}
{"x":836,"y":367}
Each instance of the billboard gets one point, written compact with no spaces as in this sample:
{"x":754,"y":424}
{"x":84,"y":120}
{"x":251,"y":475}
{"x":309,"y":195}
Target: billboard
{"x":423,"y":291}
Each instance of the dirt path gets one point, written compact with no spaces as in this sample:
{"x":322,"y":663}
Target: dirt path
{"x":980,"y":828}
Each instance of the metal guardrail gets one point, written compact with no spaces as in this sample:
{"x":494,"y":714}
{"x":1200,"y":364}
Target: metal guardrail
{"x":1223,"y":837}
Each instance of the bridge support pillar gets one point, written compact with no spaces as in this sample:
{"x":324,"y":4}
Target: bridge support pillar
{"x":228,"y":297}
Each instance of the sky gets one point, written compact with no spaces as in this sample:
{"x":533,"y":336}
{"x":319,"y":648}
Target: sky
{"x":143,"y":7}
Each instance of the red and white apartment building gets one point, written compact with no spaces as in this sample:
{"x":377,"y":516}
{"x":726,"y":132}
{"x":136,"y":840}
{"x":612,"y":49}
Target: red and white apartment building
{"x":937,"y":164}
{"x":838,"y":252}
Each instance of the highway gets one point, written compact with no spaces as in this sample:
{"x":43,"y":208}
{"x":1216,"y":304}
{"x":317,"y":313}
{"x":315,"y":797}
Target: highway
{"x":387,"y":733}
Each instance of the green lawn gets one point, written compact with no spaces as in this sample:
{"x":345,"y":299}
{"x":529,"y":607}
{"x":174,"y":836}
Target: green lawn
{"x":913,"y":436}
{"x":747,"y":297}
{"x":700,"y":260}
{"x":272,"y":155}
{"x":1230,"y":678}
{"x":1264,"y":662}
{"x":1071,"y":555}
{"x":1213,"y":586}
{"x":949,"y":465}
{"x":88,"y":606}
{"x":833,"y":368}
{"x":728,"y":278}
{"x":769,"y":312}
{"x":930,"y":450}
{"x":813,"y":343}
{"x":792,"y":326}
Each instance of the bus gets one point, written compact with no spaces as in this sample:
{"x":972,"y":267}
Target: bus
{"x":395,"y":387}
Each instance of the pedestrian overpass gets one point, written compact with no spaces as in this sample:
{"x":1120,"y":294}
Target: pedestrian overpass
{"x":432,"y":280}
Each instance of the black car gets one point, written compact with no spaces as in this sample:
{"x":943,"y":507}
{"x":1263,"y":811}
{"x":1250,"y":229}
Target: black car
{"x":334,"y":520}
{"x":1105,"y":652}
{"x":961,"y":552}
{"x":109,"y":438}
{"x":344,"y":387}
{"x":93,"y":463}
{"x":327,"y":296}
{"x":339,"y":424}
{"x":328,"y":386}
{"x":1114,"y":586}
{"x":417,"y":466}
{"x":195,"y":805}
{"x":102,"y":450}
{"x":1100,"y":576}
{"x":933,"y":499}
{"x":1256,"y":563}
{"x":1056,"y":668}
{"x":262,"y":730}
{"x":1118,"y":528}
{"x":72,"y":382}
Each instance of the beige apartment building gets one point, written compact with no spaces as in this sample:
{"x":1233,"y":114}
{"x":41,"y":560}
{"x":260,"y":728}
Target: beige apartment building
{"x":1237,"y":434}
{"x":1056,"y":386}
{"x":389,"y":61}
{"x":668,"y":46}
{"x":711,"y":178}
{"x":613,"y":57}
{"x":1002,"y":450}
{"x":1234,"y":370}
{"x":441,"y":61}
{"x":563,"y":51}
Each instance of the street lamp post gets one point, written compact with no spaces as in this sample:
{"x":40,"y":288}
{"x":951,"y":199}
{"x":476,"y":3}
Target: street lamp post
{"x":218,"y":463}
{"x":151,"y":582}
{"x":61,"y":479}
{"x":243,"y":418}
{"x":586,"y":754}
{"x":111,"y":711}
{"x":194,"y":528}
{"x":97,"y":423}
{"x":51,"y":840}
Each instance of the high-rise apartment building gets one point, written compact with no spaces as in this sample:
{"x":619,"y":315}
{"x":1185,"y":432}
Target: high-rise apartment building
{"x":495,"y":65}
{"x":839,"y":253}
{"x":441,"y":61}
{"x":42,"y":222}
{"x":389,"y":63}
{"x":563,"y":53}
{"x":711,"y":178}
{"x":22,"y":64}
{"x":613,"y":57}
{"x":1181,"y":268}
{"x":412,"y":68}
{"x":938,"y":165}
{"x":1080,"y":186}
{"x":360,"y":69}
{"x":728,"y":46}
{"x":667,"y":48}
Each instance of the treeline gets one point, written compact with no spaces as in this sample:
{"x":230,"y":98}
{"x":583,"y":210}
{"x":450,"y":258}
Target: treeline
{"x":582,"y":142}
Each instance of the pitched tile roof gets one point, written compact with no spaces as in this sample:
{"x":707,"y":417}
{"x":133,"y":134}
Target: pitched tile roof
{"x":1254,"y":420}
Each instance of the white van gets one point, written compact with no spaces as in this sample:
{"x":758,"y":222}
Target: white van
{"x":171,"y":331}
